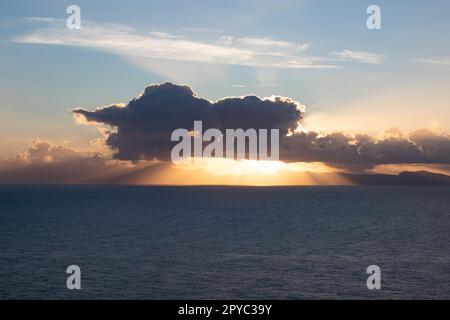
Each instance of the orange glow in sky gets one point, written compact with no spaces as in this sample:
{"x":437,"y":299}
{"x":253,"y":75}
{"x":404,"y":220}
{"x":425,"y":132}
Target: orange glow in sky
{"x":241,"y":173}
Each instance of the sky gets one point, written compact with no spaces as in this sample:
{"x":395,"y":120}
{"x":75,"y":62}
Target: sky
{"x":316,"y":52}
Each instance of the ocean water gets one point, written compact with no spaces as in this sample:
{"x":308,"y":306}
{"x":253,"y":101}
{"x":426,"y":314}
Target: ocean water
{"x":223,"y":242}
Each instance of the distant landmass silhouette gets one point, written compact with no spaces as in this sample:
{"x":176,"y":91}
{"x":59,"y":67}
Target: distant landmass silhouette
{"x":404,"y":178}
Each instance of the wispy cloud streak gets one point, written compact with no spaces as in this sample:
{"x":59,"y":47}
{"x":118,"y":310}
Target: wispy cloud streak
{"x":440,"y":60}
{"x":359,"y":56}
{"x":126,"y":41}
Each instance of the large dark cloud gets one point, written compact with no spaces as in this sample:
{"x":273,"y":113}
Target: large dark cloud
{"x":144,"y":125}
{"x":143,"y":128}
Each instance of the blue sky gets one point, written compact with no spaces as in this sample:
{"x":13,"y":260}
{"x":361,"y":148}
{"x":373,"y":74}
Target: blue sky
{"x":366,"y":80}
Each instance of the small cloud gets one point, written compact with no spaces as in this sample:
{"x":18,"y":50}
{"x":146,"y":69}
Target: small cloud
{"x":393,"y":133}
{"x":439,"y":61}
{"x":164,"y":35}
{"x":359,"y":56}
{"x":272,"y":44}
{"x":41,"y":19}
{"x":226,"y":40}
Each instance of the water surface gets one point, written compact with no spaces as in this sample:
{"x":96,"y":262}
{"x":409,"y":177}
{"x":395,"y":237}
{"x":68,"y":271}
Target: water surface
{"x":224,"y":242}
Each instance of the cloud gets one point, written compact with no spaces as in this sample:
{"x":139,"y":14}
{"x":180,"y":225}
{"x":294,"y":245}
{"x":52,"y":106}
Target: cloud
{"x":45,"y":162}
{"x":360,"y":152}
{"x":142,"y":129}
{"x":359,"y":56}
{"x":272,"y":44}
{"x":126,"y":41}
{"x":43,"y":151}
{"x":41,"y":19}
{"x":164,"y":35}
{"x":440,"y":61}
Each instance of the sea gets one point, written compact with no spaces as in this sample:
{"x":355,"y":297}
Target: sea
{"x":152,"y":242}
